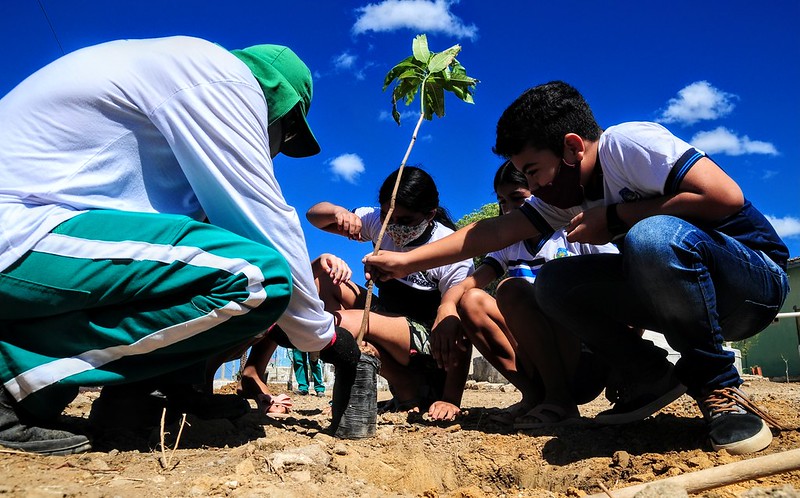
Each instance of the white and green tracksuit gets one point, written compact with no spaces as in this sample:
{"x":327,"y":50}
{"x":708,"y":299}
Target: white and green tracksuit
{"x":108,"y":156}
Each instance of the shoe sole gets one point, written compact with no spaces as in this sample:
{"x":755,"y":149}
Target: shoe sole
{"x":644,"y":411}
{"x":750,"y":445}
{"x":38,"y":448}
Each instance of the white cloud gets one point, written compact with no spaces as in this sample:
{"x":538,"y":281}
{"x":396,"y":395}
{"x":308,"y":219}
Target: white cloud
{"x":419,"y":15}
{"x":724,"y":141}
{"x":345,"y":60}
{"x":697,"y":102}
{"x":786,"y":226}
{"x":769,"y":173}
{"x":347,"y":167}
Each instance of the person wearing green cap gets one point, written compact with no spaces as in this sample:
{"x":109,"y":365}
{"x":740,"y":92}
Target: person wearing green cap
{"x":112,"y":158}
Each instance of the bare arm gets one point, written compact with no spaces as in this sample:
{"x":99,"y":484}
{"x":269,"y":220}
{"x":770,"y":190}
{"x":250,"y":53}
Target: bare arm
{"x":706,"y":193}
{"x":481,"y":237}
{"x":335,"y":219}
{"x":446,"y":334}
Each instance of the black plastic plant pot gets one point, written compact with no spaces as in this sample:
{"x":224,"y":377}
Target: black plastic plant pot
{"x":355,"y":399}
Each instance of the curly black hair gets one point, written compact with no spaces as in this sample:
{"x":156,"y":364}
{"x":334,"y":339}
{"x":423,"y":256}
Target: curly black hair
{"x":541,"y":116}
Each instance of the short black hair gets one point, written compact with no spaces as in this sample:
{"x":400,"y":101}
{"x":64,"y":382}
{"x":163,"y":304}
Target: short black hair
{"x":541,"y":117}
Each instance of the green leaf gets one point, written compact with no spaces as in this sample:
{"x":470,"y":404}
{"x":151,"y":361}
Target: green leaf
{"x":404,"y":65}
{"x":420,"y":48}
{"x":434,"y":100}
{"x":443,"y":59}
{"x":431,"y":74}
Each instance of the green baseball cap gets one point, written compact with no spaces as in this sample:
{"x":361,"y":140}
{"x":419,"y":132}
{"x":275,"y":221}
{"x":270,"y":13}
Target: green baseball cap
{"x":288,"y":88}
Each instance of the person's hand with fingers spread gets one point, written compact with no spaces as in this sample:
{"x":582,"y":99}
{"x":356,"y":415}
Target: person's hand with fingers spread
{"x":333,"y":266}
{"x":443,"y":411}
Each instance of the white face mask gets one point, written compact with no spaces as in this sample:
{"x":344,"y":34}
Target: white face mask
{"x":403,"y":234}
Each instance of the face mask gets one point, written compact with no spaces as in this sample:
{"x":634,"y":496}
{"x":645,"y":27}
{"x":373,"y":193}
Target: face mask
{"x":403,"y":234}
{"x":565,"y":191}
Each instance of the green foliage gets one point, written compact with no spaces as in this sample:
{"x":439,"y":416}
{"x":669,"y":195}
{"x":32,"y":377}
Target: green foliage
{"x":486,"y":211}
{"x":432,"y":74}
{"x":745,"y":346}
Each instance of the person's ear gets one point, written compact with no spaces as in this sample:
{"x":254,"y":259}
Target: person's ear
{"x":574,"y":148}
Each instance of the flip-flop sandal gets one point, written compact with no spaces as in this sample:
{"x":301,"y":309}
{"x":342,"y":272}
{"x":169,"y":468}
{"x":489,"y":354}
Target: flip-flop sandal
{"x":545,"y":416}
{"x":509,"y":414}
{"x":266,"y":402}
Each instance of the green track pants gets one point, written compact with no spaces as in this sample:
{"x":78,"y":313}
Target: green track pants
{"x":111,"y":297}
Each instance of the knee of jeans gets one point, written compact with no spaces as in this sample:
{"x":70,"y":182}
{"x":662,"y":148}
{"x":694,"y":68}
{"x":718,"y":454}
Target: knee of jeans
{"x":654,"y":240}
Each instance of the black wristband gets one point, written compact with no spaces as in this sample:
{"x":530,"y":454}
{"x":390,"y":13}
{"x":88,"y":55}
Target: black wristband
{"x":614,"y":223}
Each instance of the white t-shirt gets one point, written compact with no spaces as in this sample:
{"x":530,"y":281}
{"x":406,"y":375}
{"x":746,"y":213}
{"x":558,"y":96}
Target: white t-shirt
{"x":638,"y":158}
{"x":440,"y":278}
{"x":170,"y":125}
{"x":523,"y":259}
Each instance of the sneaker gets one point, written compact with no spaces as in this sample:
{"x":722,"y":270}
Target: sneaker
{"x":129,"y":406}
{"x":185,"y":398}
{"x":16,"y":435}
{"x":301,"y":393}
{"x":321,"y":394}
{"x":641,"y":398}
{"x":735,"y":423}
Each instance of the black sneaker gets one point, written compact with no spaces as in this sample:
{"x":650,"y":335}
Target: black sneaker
{"x":638,"y":399}
{"x":205,"y":405}
{"x":16,"y":435}
{"x":735,"y":423}
{"x":129,"y":406}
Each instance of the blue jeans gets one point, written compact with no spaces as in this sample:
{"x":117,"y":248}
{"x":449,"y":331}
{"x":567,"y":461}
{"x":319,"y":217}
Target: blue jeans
{"x":697,"y":288}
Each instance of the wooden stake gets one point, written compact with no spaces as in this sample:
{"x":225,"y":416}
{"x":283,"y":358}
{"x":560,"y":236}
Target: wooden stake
{"x":702,"y":480}
{"x":370,"y":284}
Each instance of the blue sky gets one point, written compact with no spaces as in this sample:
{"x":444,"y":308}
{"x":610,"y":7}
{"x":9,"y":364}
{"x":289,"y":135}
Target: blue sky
{"x":722,"y":75}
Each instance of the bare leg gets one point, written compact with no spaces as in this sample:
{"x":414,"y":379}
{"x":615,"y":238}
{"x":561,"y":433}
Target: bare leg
{"x":487,"y":330}
{"x":554,"y":352}
{"x":405,"y":382}
{"x":338,"y":296}
{"x":390,"y":333}
{"x":449,"y":407}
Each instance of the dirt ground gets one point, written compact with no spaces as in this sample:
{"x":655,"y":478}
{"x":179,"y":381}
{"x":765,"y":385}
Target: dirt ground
{"x":409,"y":456}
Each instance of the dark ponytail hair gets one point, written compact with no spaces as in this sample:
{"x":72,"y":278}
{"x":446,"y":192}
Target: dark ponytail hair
{"x":508,"y":174}
{"x":417,"y":192}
